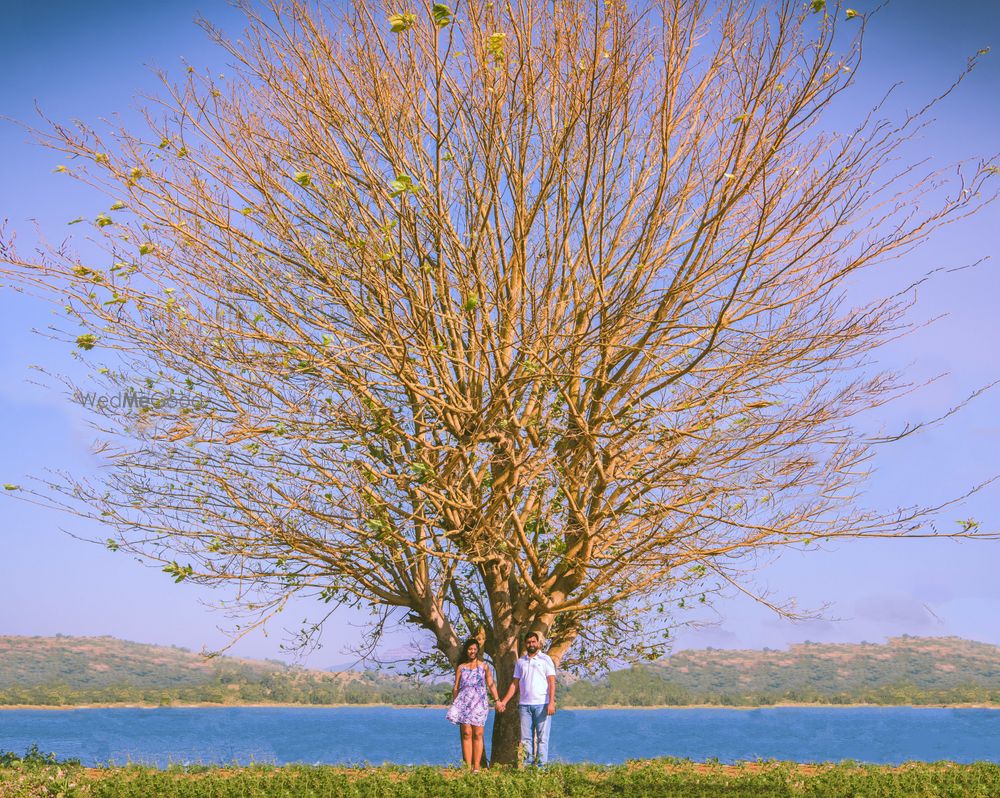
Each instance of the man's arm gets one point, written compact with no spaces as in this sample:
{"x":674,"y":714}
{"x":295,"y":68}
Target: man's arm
{"x":513,"y":685}
{"x":552,"y":695}
{"x":510,"y":692}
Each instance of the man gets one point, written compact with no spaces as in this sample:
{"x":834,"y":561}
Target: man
{"x":535,"y":680}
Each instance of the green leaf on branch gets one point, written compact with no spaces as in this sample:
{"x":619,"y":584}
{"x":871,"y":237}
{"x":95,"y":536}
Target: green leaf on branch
{"x":77,"y":220}
{"x":60,"y":168}
{"x":111,"y":544}
{"x":470,"y":304}
{"x":103,"y":220}
{"x":328,"y":594}
{"x":146,"y":248}
{"x":398,"y":23}
{"x":303,"y":179}
{"x":86,"y":341}
{"x":851,"y":14}
{"x":442,"y":15}
{"x":494,"y":45}
{"x":87,"y":273}
{"x":118,"y":206}
{"x":8,"y":486}
{"x":178,"y":572}
{"x":421,"y":470}
{"x":817,"y":6}
{"x":403,"y":184}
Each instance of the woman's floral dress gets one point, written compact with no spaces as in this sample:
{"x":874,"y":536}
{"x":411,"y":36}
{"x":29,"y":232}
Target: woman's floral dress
{"x":471,"y":705}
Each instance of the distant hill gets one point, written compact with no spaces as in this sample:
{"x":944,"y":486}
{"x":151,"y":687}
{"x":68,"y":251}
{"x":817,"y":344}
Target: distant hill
{"x":904,"y":670}
{"x":64,"y":671}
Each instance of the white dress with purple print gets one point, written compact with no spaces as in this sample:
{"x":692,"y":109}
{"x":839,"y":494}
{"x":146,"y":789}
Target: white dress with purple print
{"x":471,"y":705}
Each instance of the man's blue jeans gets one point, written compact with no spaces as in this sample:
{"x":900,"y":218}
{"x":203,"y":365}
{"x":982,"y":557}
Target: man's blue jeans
{"x":535,"y":725}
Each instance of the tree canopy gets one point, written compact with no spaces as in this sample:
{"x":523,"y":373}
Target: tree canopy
{"x":497,"y":316}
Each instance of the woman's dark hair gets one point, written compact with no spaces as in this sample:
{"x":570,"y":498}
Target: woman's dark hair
{"x":465,"y":648}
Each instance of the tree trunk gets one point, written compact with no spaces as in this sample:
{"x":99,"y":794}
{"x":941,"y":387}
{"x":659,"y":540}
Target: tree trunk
{"x":507,"y":724}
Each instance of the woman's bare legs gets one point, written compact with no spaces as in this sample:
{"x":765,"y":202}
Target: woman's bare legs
{"x":477,"y":747}
{"x":466,"y":731}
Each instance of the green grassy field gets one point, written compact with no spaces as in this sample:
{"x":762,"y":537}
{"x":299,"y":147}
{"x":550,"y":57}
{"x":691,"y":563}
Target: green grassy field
{"x":34,"y":776}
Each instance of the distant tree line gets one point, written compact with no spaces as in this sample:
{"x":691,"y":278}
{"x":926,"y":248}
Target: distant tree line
{"x":278,"y":687}
{"x":626,"y":688}
{"x":906,"y":671}
{"x":638,"y":687}
{"x":641,"y":687}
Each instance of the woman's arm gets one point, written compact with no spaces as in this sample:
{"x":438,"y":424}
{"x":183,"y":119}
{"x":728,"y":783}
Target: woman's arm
{"x":454,"y":690}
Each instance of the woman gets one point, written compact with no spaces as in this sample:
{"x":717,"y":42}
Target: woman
{"x":469,"y":705}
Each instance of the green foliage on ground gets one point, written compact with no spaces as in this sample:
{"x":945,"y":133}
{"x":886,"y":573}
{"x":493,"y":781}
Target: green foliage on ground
{"x":640,"y":779}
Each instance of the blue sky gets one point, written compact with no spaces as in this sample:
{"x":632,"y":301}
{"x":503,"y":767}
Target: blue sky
{"x":84,"y":61}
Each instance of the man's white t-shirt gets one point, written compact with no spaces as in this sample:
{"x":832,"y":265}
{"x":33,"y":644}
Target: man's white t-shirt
{"x":532,"y":673}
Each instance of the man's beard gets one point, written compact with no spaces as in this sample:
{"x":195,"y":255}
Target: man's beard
{"x":532,"y":649}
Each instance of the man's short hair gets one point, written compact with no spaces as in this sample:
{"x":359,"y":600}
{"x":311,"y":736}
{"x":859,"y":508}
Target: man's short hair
{"x":535,"y":635}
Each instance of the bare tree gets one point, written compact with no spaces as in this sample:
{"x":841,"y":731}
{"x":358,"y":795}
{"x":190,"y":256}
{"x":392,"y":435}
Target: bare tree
{"x":509,"y":316}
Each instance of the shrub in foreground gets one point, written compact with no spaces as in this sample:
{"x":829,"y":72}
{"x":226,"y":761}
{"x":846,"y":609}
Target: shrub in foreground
{"x":35,"y":775}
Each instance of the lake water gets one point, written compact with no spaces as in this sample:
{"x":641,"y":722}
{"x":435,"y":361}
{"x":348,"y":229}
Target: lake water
{"x":354,"y":735}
